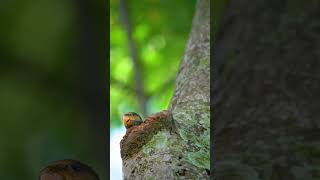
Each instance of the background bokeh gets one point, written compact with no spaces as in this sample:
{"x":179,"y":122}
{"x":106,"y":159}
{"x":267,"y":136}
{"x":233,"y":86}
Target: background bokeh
{"x":159,"y":30}
{"x":52,"y":85}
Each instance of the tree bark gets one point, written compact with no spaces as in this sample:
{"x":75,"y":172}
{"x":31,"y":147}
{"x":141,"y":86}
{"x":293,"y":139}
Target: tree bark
{"x":267,"y":101}
{"x":175,"y":144}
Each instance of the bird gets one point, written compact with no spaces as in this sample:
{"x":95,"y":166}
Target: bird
{"x":67,"y":169}
{"x":131,"y":119}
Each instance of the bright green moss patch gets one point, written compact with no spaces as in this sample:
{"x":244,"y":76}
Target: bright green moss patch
{"x":200,"y":159}
{"x":204,"y":63}
{"x":158,"y":141}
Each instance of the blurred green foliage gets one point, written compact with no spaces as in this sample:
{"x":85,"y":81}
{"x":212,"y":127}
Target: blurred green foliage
{"x":43,"y":117}
{"x":160,"y":31}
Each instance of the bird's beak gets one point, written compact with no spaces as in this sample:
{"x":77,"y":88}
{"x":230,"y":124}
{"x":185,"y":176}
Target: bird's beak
{"x":125,"y":118}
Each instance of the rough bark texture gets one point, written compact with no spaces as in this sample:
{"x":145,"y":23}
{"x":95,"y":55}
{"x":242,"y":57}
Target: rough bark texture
{"x":267,"y":101}
{"x":175,"y":144}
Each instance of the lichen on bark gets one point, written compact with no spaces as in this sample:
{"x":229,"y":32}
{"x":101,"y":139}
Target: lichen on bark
{"x":190,"y":106}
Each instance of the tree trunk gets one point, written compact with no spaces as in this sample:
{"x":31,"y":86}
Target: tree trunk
{"x":175,"y":144}
{"x":267,"y":101}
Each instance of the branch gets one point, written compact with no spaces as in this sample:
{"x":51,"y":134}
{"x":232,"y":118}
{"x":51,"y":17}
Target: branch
{"x":137,"y":136}
{"x":126,"y":87}
{"x":139,"y":86}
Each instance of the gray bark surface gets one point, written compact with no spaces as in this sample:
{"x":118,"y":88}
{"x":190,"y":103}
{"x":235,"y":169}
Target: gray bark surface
{"x":267,"y":102}
{"x":175,"y":144}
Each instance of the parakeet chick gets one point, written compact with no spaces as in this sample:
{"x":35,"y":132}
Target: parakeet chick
{"x":131,"y":119}
{"x":67,"y":170}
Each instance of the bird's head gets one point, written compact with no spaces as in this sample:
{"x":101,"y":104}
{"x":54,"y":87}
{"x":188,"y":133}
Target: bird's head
{"x":67,"y":170}
{"x":131,"y":118}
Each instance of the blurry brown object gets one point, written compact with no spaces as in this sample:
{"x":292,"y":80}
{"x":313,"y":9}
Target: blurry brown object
{"x":67,"y":170}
